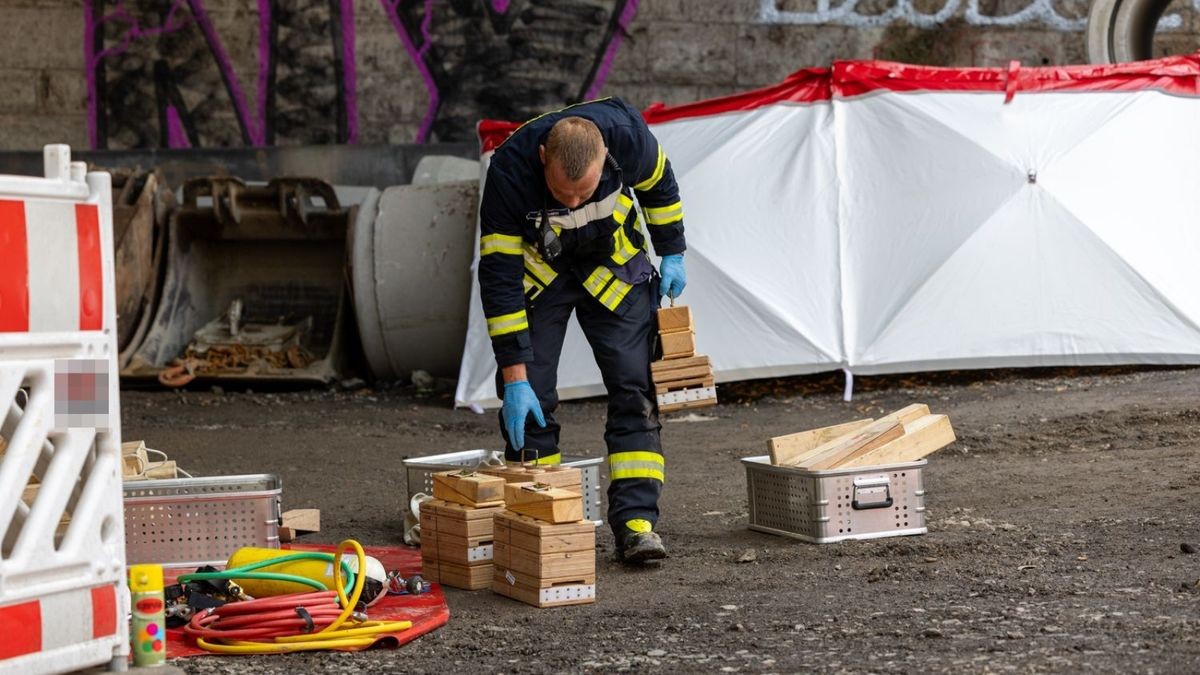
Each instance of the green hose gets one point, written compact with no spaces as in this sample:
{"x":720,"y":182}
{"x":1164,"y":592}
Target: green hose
{"x":247,"y":572}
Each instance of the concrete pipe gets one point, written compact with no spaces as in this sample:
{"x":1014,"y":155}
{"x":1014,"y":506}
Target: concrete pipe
{"x":1120,"y":31}
{"x":411,"y":249}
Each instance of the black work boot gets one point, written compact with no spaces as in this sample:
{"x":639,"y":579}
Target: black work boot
{"x":638,"y":543}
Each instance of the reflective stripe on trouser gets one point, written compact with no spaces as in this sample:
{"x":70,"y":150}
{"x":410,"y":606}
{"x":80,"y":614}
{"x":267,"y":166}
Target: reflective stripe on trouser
{"x":622,"y":347}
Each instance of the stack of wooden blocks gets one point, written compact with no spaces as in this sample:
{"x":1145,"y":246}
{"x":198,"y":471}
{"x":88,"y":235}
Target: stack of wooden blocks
{"x":682,"y":378}
{"x":544,"y":551}
{"x":457,"y":528}
{"x":906,"y":435}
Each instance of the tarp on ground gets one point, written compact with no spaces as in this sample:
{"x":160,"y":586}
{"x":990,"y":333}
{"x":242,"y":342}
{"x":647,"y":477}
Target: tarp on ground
{"x":880,"y":217}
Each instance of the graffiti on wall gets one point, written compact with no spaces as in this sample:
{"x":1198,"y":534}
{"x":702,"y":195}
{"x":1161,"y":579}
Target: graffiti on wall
{"x":160,"y":74}
{"x":1063,"y":15}
{"x":506,"y":59}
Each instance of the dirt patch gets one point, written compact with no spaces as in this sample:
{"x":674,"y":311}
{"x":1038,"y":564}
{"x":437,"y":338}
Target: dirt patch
{"x":1054,"y":544}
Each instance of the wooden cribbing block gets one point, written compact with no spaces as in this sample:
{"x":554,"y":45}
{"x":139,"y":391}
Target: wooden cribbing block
{"x":922,"y":437}
{"x":865,"y":440}
{"x":530,"y":591}
{"x":544,"y":502}
{"x":297,"y":522}
{"x":468,"y":488}
{"x":459,"y":550}
{"x":675,"y":319}
{"x":538,"y":537}
{"x":686,"y":405}
{"x":456,"y":520}
{"x":547,"y":566}
{"x":678,"y":345}
{"x":565,"y":477}
{"x":684,"y":384}
{"x":544,"y":564}
{"x":665,"y":370}
{"x":669,"y":377}
{"x":797,"y":447}
{"x":466,"y":577}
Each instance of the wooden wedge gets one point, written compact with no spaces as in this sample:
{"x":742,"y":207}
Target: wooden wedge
{"x":842,"y":449}
{"x":922,"y":437}
{"x":540,"y":501}
{"x":468,"y":488}
{"x":796,"y":447}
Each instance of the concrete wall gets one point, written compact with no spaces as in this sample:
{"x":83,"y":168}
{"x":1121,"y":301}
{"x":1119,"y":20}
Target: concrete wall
{"x":222,"y":73}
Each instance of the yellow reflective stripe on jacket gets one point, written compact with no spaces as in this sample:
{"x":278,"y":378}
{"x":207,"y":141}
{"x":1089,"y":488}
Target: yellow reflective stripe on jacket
{"x":621,"y":209}
{"x":637,"y":464}
{"x":536,"y":267}
{"x":548,"y":460}
{"x":623,"y":248}
{"x":499,"y":243}
{"x":509,"y":323}
{"x":658,"y":172}
{"x":664,"y":215}
{"x":615,"y":294}
{"x":597,"y":280}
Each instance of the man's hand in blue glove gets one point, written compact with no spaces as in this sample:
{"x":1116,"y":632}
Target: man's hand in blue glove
{"x":674,"y":278}
{"x":519,"y":401}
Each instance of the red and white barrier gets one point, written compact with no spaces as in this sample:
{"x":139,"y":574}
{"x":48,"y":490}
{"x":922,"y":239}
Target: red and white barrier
{"x":63,"y":603}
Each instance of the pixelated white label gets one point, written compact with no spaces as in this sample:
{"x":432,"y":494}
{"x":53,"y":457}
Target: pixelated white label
{"x":508,"y":576}
{"x":81,"y":390}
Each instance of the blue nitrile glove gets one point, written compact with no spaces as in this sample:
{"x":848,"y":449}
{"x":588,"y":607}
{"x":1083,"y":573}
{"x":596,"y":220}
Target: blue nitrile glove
{"x":519,"y":401}
{"x":674,"y":278}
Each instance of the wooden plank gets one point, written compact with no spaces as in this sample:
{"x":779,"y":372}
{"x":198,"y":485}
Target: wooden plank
{"x":801,"y":445}
{"x":865,"y":440}
{"x":544,"y":502}
{"x":468,"y":488}
{"x":685,"y":384}
{"x":456,"y":520}
{"x":467,"y":577}
{"x":922,"y":437}
{"x":687,"y":405}
{"x":907,"y":414}
{"x":299,"y":522}
{"x":657,"y":367}
{"x":679,"y":345}
{"x":565,"y":564}
{"x":667,"y":377}
{"x":673,"y":319}
{"x":530,"y":595}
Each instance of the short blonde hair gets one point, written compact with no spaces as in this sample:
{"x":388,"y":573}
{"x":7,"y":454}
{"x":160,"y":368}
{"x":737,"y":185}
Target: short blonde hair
{"x":575,"y":143}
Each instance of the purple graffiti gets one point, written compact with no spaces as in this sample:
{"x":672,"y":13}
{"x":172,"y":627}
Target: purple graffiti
{"x":349,"y":79}
{"x":417,"y":54}
{"x":472,"y":56}
{"x":168,"y":36}
{"x":610,"y":53}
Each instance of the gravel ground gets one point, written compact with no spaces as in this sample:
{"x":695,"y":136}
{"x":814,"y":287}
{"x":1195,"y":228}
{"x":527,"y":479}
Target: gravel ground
{"x":1058,"y":525}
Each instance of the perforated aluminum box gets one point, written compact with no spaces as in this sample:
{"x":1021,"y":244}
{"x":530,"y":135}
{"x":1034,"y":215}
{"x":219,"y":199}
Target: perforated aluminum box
{"x":189,"y":522}
{"x":421,"y":470}
{"x":827,"y":506}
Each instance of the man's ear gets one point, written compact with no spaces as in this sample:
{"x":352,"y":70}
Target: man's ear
{"x":542,"y":153}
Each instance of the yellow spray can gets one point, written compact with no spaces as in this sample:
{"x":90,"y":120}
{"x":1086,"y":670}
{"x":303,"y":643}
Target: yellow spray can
{"x":148,"y":632}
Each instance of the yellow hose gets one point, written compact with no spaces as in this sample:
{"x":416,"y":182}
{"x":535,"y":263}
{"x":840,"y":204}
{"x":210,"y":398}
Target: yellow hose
{"x":358,"y":634}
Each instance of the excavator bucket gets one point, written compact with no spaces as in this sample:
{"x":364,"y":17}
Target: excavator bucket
{"x":254,"y":286}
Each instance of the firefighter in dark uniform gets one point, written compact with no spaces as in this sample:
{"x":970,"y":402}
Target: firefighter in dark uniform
{"x":560,"y":234}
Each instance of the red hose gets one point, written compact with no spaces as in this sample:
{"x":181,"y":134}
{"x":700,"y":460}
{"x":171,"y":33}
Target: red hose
{"x":266,"y":618}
